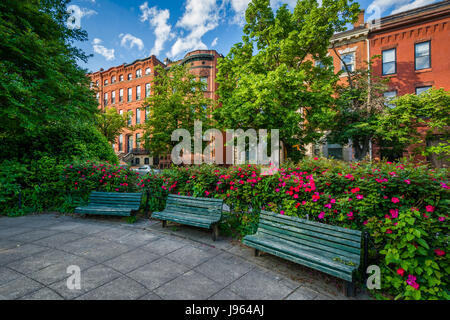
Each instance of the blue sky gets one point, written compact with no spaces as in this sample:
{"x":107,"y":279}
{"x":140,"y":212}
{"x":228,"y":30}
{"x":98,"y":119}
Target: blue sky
{"x":125,"y":30}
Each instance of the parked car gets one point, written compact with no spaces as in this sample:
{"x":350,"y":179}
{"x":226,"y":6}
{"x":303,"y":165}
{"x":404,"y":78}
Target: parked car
{"x":146,"y":169}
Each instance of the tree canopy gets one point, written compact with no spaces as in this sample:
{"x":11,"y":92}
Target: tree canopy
{"x":177,"y":100}
{"x":270,"y":81}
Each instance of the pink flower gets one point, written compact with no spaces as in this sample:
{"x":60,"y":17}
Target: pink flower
{"x":281,"y":212}
{"x":388,"y":231}
{"x":441,"y":219}
{"x":359,"y":196}
{"x":429,"y":208}
{"x":394,"y":213}
{"x":207,"y":193}
{"x":277,"y":190}
{"x":407,"y":181}
{"x":395,"y":200}
{"x":321,"y":215}
{"x":439,"y":252}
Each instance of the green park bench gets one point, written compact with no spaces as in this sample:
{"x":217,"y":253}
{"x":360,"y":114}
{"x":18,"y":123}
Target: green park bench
{"x":111,"y":203}
{"x":198,"y":212}
{"x":330,"y":249}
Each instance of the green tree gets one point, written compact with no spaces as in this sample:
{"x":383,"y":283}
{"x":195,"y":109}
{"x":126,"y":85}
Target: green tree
{"x":414,"y":119}
{"x":178,"y":100}
{"x":269,"y":81}
{"x":41,"y":84}
{"x":359,"y":103}
{"x":110,"y":123}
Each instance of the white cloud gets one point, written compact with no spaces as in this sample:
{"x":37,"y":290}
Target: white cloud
{"x":414,"y":4}
{"x":129,"y":41}
{"x":214,"y":42}
{"x":158,"y":20}
{"x":239,"y":7}
{"x":199,"y":17}
{"x":98,"y":48}
{"x":377,"y":7}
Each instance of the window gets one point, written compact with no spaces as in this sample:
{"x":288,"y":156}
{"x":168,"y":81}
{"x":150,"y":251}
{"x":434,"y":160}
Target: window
{"x":121,"y":141}
{"x":106,"y":82}
{"x":138,"y":116}
{"x":147,"y":90}
{"x":97,"y":96}
{"x":138,"y":73}
{"x":204,"y":80}
{"x":349,"y":60}
{"x":130,"y":94}
{"x":113,"y":97}
{"x":96,"y":83}
{"x":147,"y":113}
{"x":148,"y":71}
{"x":105,"y":99}
{"x":129,"y":143}
{"x":121,"y":95}
{"x":91,"y":85}
{"x":146,"y":161}
{"x":422,"y":56}
{"x":121,"y":78}
{"x":130,"y":115}
{"x":389,"y":61}
{"x":121,"y":112}
{"x":137,"y":161}
{"x":138,"y":140}
{"x":420,"y":90}
{"x":130,"y":76}
{"x":335,"y":151}
{"x":113,"y":79}
{"x":138,"y":93}
{"x":388,"y":96}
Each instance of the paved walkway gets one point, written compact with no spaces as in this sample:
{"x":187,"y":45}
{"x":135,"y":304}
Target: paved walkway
{"x":142,"y":261}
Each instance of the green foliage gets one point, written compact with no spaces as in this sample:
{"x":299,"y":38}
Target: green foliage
{"x":359,"y":104}
{"x":416,"y":118}
{"x":110,"y":123}
{"x":268,"y":81}
{"x":178,"y":100}
{"x":41,"y":83}
{"x":403,"y":206}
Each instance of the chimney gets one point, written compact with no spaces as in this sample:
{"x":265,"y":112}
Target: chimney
{"x":167,"y":61}
{"x":360,"y":21}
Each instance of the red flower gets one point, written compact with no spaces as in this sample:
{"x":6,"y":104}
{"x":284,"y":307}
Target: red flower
{"x":401,"y":271}
{"x":439,"y":252}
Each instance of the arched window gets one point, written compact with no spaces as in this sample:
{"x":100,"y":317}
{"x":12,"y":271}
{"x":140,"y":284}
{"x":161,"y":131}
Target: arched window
{"x":138,"y":73}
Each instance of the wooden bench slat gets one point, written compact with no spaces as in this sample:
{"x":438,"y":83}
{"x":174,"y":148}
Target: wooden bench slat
{"x":212,"y":200}
{"x":277,"y":218}
{"x":111,"y":203}
{"x":293,"y":231}
{"x":313,"y":223}
{"x":330,"y":249}
{"x":351,"y":253}
{"x":337,"y":273}
{"x":318,"y":249}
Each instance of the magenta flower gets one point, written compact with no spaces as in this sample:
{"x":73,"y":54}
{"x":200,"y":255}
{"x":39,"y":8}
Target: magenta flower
{"x":395,"y":200}
{"x":429,"y":208}
{"x":321,"y":215}
{"x":359,"y":196}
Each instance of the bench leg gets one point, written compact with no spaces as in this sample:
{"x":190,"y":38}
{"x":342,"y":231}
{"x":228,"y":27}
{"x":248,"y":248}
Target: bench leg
{"x":350,"y":289}
{"x":164,"y":223}
{"x":257,"y":253}
{"x":215,"y":232}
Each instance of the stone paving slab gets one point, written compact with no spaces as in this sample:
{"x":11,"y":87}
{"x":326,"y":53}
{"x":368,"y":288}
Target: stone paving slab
{"x":143,"y":261}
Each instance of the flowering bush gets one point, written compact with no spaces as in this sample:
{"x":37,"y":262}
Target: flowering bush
{"x":80,"y":179}
{"x":403,"y":206}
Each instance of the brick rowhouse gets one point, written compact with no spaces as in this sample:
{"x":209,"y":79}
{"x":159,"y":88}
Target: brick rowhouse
{"x":125,"y":87}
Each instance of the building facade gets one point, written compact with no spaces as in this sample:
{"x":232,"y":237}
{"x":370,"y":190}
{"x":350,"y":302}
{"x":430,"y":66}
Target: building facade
{"x":411,"y":47}
{"x":125,"y":88}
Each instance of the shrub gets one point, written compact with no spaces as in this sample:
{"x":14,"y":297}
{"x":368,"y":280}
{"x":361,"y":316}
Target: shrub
{"x":403,"y":206}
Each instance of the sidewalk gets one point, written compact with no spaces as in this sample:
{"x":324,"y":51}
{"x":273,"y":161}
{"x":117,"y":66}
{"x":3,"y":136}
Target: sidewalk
{"x":143,"y":261}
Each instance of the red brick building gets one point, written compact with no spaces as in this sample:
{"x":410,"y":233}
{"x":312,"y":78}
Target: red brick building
{"x":125,"y":87}
{"x":413,"y":47}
